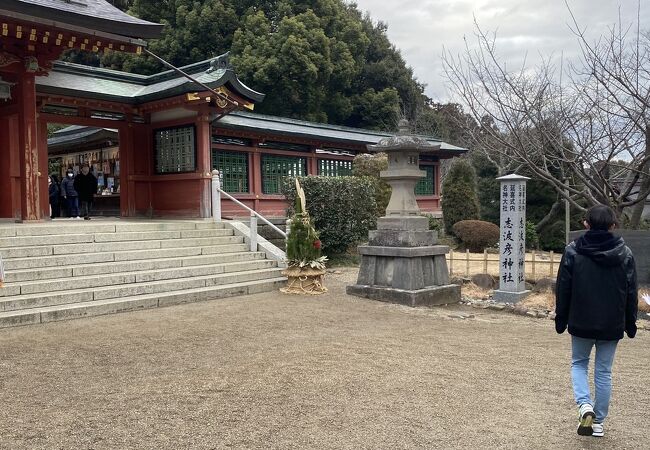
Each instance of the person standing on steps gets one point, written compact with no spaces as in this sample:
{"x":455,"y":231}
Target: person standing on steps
{"x":86,"y":186}
{"x":70,"y":195}
{"x":596,"y":298}
{"x":55,"y":196}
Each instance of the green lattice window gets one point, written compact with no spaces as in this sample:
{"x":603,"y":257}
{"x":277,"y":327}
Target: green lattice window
{"x":276,"y":168}
{"x":175,"y":150}
{"x":427,"y":185}
{"x":233,"y":167}
{"x":334,"y":168}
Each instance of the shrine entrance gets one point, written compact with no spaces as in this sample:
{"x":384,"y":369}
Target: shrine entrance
{"x":34,"y":33}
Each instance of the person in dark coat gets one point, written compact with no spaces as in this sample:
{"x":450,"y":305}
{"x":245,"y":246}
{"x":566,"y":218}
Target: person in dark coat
{"x":70,"y":195}
{"x":596,"y":299}
{"x":55,"y":196}
{"x":85,"y":184}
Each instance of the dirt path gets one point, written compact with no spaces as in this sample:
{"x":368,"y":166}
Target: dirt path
{"x":276,"y":371}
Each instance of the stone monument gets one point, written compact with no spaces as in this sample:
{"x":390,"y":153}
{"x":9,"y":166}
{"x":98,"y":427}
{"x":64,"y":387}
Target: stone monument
{"x":402,"y":263}
{"x":512,"y":243}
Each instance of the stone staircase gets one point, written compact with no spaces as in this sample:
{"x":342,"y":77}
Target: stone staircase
{"x":68,"y":269}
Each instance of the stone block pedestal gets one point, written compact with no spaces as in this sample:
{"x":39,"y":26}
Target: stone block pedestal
{"x":509,"y":297}
{"x":412,"y":276}
{"x":431,"y":296}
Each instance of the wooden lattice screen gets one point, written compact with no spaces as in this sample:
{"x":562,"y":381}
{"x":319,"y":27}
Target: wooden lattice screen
{"x":426,"y":185}
{"x":175,"y":150}
{"x":233,"y":167}
{"x":334,"y":168}
{"x":276,"y":168}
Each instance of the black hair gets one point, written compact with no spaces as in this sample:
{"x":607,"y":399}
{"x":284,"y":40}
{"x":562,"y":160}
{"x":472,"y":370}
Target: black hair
{"x":601,"y":217}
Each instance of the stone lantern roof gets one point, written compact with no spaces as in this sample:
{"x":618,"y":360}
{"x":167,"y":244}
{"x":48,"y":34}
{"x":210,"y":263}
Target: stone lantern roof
{"x":404,"y":141}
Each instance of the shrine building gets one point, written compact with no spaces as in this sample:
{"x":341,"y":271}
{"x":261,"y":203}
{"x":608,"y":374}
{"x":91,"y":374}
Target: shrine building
{"x":154,"y":139}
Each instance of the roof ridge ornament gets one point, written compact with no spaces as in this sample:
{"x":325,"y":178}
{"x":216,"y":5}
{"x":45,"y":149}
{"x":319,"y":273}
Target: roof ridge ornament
{"x":221,"y":62}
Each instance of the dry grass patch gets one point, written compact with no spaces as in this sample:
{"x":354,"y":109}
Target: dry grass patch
{"x":475,"y":292}
{"x":542,"y":300}
{"x":643,"y":306}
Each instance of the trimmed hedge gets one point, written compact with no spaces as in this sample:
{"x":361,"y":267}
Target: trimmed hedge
{"x":477,"y":235}
{"x":342,"y":209}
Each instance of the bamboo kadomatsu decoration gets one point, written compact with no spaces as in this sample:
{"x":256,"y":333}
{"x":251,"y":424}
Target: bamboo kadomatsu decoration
{"x":306,"y":265}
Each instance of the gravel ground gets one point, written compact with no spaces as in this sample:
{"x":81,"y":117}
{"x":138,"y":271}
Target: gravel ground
{"x":278,"y":371}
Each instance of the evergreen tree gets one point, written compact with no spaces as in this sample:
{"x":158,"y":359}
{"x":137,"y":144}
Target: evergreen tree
{"x":459,"y":199}
{"x":315,"y":60}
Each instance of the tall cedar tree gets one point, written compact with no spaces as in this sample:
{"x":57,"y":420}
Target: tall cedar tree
{"x":459,"y":199}
{"x":315,"y":60}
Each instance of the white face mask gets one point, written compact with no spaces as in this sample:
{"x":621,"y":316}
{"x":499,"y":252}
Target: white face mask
{"x":70,"y":175}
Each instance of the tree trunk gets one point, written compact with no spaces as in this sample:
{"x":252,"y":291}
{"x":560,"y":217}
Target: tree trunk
{"x":550,"y":217}
{"x":637,"y":211}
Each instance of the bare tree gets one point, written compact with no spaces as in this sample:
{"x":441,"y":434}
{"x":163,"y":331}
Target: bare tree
{"x":582,"y":127}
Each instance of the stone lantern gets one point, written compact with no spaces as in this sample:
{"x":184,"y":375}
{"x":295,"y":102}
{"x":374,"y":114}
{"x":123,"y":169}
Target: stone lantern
{"x":402,"y":262}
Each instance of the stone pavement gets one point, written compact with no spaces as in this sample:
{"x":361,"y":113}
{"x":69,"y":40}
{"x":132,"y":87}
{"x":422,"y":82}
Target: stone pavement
{"x":276,"y":371}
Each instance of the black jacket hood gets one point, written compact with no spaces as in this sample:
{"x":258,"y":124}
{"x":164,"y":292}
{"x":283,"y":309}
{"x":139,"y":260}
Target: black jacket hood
{"x":602,"y":247}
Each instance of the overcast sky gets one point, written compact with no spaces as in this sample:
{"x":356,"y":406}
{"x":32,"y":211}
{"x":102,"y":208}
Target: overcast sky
{"x":420,"y":28}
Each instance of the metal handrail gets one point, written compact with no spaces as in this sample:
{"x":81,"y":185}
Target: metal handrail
{"x":254,"y":215}
{"x":253,"y":212}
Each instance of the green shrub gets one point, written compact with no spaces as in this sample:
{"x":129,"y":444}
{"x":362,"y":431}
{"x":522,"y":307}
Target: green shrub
{"x":459,"y":199}
{"x":532,"y":238}
{"x":367,"y":165}
{"x":476,"y":235}
{"x":342,"y":209}
{"x":436,"y":224}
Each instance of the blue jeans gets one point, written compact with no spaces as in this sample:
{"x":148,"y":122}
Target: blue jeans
{"x":605,"y":351}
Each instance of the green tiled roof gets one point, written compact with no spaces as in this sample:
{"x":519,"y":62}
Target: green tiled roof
{"x":77,"y":134}
{"x":310,"y":130}
{"x":98,"y":15}
{"x":103,"y":84}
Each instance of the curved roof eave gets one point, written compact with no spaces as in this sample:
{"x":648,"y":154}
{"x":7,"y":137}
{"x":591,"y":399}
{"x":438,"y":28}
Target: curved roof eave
{"x":96,"y":15}
{"x":241,"y":89}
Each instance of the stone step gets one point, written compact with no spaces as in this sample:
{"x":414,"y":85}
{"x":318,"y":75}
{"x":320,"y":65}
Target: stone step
{"x":101,"y":307}
{"x":25,"y":301}
{"x":55,"y":248}
{"x":128,"y":255}
{"x":63,"y":268}
{"x":59,"y":239}
{"x":77,"y":227}
{"x":119,"y":278}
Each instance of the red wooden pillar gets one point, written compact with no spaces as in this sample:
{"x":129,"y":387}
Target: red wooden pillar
{"x":28,"y":147}
{"x":312,"y":163}
{"x":127,"y":191}
{"x":43,"y":169}
{"x":204,"y":162}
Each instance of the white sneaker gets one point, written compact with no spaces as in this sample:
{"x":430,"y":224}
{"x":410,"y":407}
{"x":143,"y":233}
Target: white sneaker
{"x":598,"y":430}
{"x":586,"y":418}
{"x":77,"y":218}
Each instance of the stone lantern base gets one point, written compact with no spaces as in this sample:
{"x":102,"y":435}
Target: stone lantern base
{"x":408,"y":268}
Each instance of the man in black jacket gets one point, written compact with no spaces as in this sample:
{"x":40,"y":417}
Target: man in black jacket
{"x":596,"y":297}
{"x":86,"y":186}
